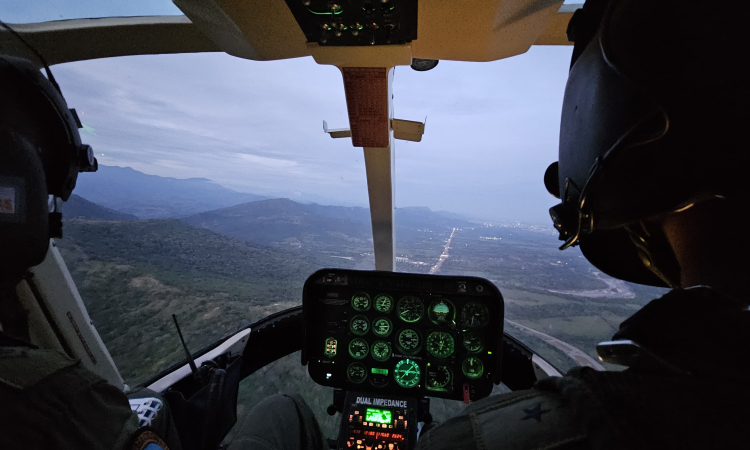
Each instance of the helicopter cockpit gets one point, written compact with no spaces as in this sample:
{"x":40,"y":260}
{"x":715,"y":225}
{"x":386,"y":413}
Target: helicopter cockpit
{"x":386,"y":342}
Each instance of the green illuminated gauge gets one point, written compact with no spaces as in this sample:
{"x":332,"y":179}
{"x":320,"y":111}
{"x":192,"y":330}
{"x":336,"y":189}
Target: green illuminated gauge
{"x":440,"y":344}
{"x":406,"y":373}
{"x":438,"y":378}
{"x":331,"y":347}
{"x":356,"y":372}
{"x":408,"y":341}
{"x":410,"y":309}
{"x":472,"y":342}
{"x":382,"y":327}
{"x":475,"y":315}
{"x":442,"y":312}
{"x":384,"y":303}
{"x":472,"y":367}
{"x":381,"y":350}
{"x":361,"y":301}
{"x":359,"y":325}
{"x":358,"y":348}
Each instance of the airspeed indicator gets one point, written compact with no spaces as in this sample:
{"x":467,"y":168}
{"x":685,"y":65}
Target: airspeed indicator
{"x":410,"y":309}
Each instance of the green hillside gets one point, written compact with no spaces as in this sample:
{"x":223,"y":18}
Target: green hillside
{"x":134,"y":275}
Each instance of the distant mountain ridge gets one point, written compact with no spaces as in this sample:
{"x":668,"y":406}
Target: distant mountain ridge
{"x":310,"y":226}
{"x":154,"y":197}
{"x":78,"y":207}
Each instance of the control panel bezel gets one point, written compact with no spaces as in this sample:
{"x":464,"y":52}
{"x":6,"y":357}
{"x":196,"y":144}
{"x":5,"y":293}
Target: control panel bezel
{"x":329,"y":315}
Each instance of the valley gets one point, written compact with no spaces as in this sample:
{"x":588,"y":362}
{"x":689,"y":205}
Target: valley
{"x":222,"y":269}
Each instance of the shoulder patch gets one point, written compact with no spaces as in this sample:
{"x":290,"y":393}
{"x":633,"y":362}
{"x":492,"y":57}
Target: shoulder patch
{"x":530,"y":419}
{"x":21,"y":368}
{"x":146,"y":439}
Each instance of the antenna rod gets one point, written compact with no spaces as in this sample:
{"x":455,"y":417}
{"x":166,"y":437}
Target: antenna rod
{"x":187,"y":353}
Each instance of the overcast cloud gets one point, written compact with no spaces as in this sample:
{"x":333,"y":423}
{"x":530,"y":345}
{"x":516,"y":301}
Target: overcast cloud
{"x":256,"y":127}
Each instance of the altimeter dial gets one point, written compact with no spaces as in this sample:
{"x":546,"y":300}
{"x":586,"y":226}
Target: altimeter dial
{"x":440,"y":344}
{"x":408,"y":341}
{"x":407,"y":373}
{"x":475,"y":315}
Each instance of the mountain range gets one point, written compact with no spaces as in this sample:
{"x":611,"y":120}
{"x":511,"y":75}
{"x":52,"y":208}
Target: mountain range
{"x":153,"y":197}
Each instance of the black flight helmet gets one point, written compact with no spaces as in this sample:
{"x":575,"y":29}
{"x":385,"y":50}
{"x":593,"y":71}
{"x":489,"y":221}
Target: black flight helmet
{"x":654,"y":121}
{"x":40,"y":156}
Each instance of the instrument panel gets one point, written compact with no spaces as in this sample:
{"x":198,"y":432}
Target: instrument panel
{"x":410,"y":334}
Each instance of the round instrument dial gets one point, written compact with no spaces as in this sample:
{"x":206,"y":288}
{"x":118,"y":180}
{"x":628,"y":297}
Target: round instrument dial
{"x":381,"y":350}
{"x":361,"y":301}
{"x":382,"y":327}
{"x":359,"y":325}
{"x":472,"y":342}
{"x":356,"y":372}
{"x":438,"y":378}
{"x":440,"y":344}
{"x":358,"y":348}
{"x":473,"y":367}
{"x":475,"y":315}
{"x":384,"y":303}
{"x":407,"y":373}
{"x":442,"y":312}
{"x":410,"y":309}
{"x":408,"y":341}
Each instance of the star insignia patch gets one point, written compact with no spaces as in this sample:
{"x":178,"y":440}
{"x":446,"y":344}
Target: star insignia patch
{"x":535,"y":413}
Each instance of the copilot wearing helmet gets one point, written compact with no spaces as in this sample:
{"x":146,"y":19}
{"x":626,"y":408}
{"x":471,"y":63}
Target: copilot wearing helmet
{"x":652,"y":178}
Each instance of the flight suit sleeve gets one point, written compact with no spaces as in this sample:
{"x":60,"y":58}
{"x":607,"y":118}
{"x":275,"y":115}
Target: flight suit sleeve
{"x":524,"y":420}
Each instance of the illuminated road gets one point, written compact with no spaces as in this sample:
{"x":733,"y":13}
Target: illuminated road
{"x":573,"y":353}
{"x":444,"y":255}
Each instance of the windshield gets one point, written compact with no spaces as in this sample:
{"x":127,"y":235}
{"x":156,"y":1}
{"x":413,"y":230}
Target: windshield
{"x":218,"y":194}
{"x":14,"y":11}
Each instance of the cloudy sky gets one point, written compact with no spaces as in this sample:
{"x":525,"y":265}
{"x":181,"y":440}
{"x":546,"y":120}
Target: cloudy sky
{"x":492,"y":128}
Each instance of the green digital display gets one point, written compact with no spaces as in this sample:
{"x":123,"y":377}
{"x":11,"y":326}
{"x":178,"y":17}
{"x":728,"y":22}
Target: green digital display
{"x":379,"y":371}
{"x":378,"y":416}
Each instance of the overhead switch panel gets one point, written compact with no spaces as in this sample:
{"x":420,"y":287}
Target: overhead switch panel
{"x":356,"y":22}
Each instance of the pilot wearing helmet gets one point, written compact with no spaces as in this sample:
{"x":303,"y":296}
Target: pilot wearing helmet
{"x":652,"y":178}
{"x":48,"y":400}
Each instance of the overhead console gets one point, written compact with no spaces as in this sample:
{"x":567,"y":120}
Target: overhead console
{"x":403,"y":334}
{"x":356,"y":22}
